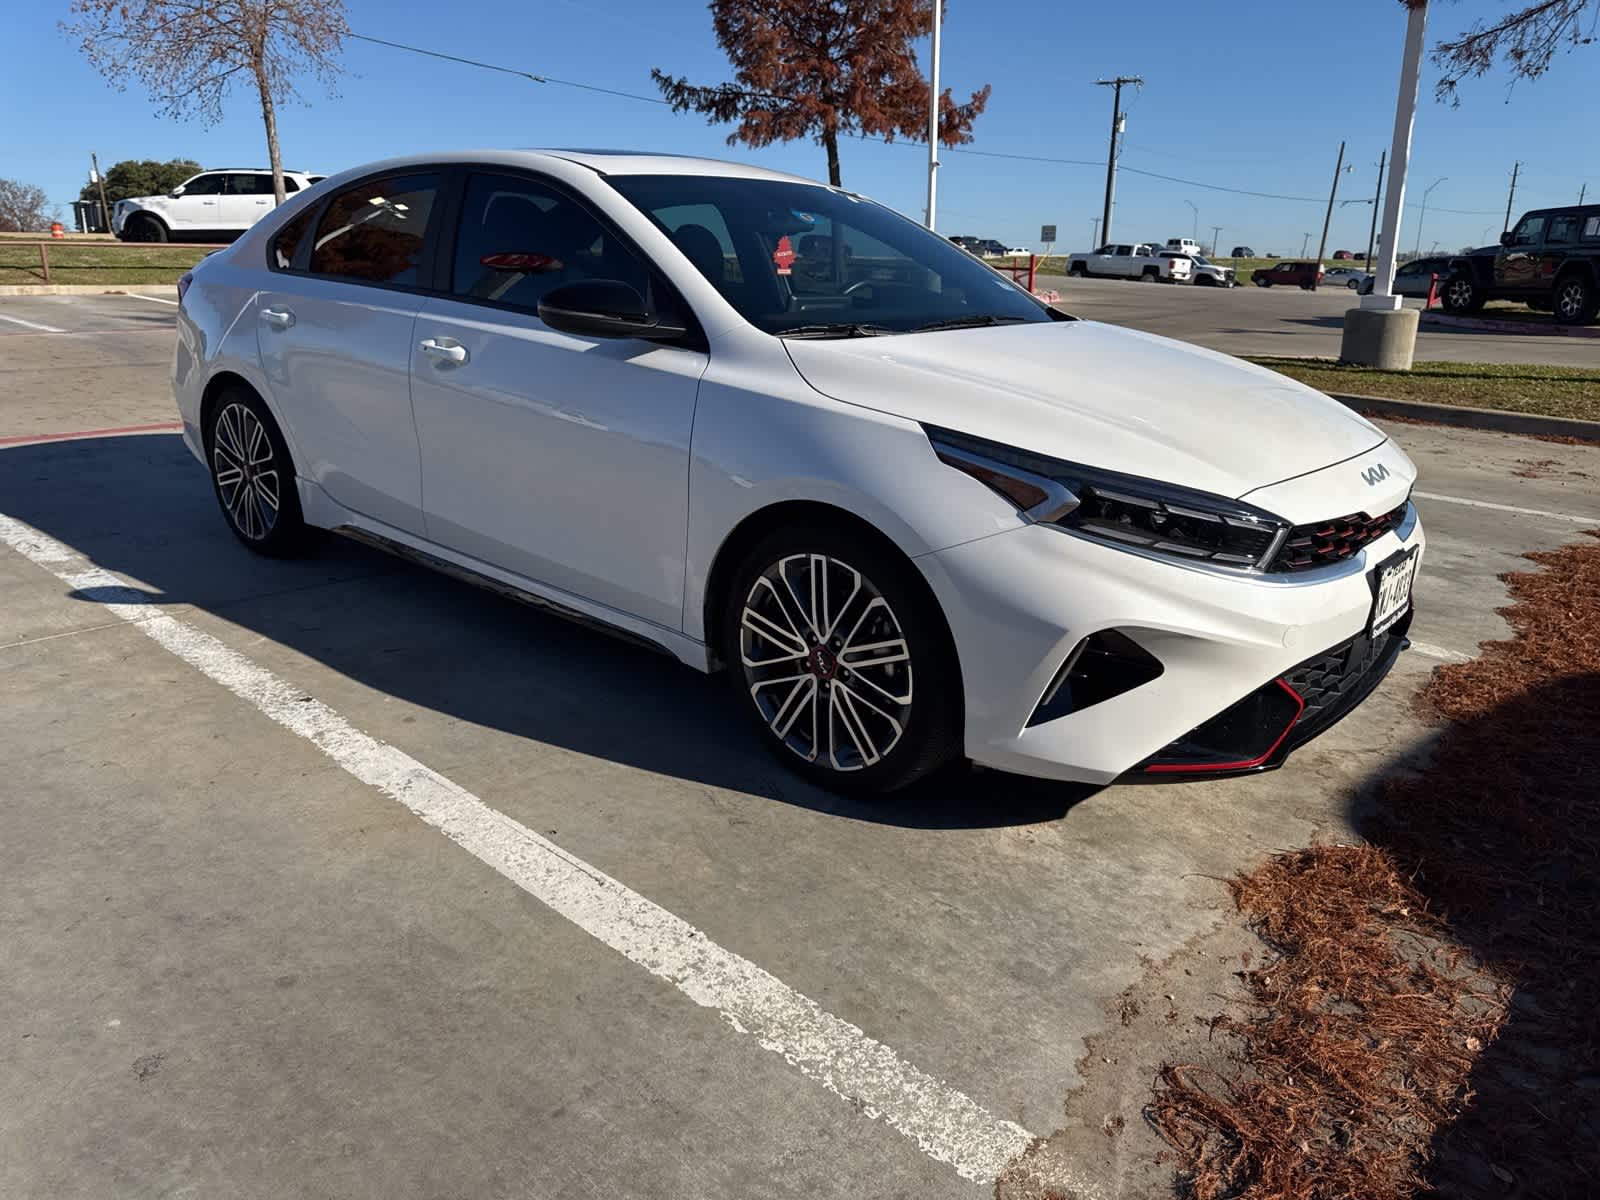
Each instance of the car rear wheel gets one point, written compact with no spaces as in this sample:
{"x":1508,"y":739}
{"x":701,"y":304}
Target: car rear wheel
{"x":1263,"y":283}
{"x":1461,"y":294}
{"x":146,"y":229}
{"x":1575,"y":300}
{"x":838,"y":651}
{"x":1078,"y":270}
{"x":253,"y":476}
{"x":1151,"y":275}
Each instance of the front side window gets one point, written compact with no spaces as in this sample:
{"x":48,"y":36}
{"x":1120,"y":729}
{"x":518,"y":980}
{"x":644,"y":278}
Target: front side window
{"x":1529,"y":231}
{"x":788,"y":254}
{"x":518,"y":239}
{"x":204,"y":185}
{"x":373,"y":231}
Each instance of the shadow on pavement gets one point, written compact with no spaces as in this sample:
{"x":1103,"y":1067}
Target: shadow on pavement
{"x":1501,"y":834}
{"x":143,"y":508}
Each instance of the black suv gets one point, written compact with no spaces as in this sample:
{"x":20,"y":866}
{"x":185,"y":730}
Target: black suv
{"x":1550,"y":261}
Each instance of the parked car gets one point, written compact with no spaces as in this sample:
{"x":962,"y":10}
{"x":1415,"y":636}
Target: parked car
{"x":1181,"y":246}
{"x":213,"y":205}
{"x":1205,"y":273}
{"x":1023,"y":251}
{"x":1345,"y":277}
{"x":1131,"y":260}
{"x":989,"y":248}
{"x":1289,"y":272}
{"x":1243,"y":252}
{"x":1549,"y":260}
{"x":1342,"y":254}
{"x":600,"y":383}
{"x":1415,"y":278}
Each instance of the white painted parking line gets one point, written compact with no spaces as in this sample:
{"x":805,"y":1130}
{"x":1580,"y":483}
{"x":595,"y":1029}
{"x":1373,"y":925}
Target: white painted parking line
{"x":1510,"y":508}
{"x":152,"y":299}
{"x":946,"y":1124}
{"x":1429,"y":650}
{"x":31,"y":324}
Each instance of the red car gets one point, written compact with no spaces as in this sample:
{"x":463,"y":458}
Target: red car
{"x":1303,"y":274}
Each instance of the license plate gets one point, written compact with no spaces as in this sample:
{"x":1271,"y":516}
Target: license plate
{"x":1391,"y":586}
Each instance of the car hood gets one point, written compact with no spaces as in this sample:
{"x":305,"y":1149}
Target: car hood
{"x":1098,"y":395}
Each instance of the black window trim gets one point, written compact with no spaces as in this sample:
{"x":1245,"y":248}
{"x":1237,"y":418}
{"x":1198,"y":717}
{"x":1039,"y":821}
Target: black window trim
{"x":427,"y":262}
{"x":444,"y":277}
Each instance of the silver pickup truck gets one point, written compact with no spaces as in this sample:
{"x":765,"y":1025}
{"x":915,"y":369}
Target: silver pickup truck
{"x":1143,"y":261}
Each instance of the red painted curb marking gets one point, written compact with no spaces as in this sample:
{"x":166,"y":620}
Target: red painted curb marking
{"x":18,"y":439}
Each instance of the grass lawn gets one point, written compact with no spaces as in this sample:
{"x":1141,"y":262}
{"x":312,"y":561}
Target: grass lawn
{"x":1515,"y":387}
{"x":97,"y":261}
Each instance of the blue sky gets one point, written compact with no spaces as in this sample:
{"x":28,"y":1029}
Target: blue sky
{"x":1250,"y":94}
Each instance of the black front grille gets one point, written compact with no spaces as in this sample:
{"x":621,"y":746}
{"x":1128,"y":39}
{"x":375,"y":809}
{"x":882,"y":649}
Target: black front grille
{"x":1324,"y":542}
{"x":1335,"y":681}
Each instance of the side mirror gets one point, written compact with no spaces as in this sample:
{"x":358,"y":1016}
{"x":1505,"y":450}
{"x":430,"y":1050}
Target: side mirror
{"x":1508,"y":238}
{"x":174,"y":193}
{"x":605,"y":308}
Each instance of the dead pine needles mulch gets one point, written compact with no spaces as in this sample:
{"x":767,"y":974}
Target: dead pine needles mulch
{"x":1429,"y":1022}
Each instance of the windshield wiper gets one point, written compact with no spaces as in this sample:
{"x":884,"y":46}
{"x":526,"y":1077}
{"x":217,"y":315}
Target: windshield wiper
{"x":838,"y":329}
{"x":971,"y":322}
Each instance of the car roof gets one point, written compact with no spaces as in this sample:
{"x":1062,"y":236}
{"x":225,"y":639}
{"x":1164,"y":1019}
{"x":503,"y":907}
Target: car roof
{"x":602,"y":162}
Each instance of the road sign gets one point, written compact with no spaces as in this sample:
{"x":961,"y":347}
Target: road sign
{"x":1047,"y":233}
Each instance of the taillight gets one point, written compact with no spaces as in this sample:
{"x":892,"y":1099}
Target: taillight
{"x":184,"y":281}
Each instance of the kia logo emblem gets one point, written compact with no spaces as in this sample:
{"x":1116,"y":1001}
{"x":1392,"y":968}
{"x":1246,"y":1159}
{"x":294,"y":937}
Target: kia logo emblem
{"x":1375,"y":475}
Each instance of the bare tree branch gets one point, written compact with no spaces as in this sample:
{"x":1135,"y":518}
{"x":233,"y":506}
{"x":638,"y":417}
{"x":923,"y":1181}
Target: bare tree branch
{"x":1525,"y":40}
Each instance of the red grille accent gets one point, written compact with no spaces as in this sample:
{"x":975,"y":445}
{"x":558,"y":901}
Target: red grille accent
{"x":1324,"y":542}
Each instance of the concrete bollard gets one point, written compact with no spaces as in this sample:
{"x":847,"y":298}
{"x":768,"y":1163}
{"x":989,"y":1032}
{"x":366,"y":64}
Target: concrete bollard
{"x":1380,"y":337}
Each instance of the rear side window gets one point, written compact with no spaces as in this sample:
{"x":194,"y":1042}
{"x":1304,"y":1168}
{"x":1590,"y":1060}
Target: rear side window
{"x":518,"y":239}
{"x":373,"y":232}
{"x":280,"y":254}
{"x":1562,"y":231}
{"x":1591,"y":229}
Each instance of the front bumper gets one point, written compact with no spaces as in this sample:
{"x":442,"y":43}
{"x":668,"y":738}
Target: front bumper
{"x":1020,"y":604}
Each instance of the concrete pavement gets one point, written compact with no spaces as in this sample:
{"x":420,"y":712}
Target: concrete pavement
{"x":236,"y":969}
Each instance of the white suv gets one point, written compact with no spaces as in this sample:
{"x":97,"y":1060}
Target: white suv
{"x":773,"y":427}
{"x":213,"y":204}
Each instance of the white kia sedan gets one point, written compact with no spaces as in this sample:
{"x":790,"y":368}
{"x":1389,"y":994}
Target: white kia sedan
{"x":777,"y":429}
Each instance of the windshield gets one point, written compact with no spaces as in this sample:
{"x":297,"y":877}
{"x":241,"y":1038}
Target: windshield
{"x":813,"y":260}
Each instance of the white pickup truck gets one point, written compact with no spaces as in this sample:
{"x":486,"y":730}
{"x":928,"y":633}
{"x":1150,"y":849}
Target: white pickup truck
{"x":1143,"y":261}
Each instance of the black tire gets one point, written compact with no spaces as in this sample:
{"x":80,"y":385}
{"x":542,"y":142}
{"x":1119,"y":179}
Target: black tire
{"x":1266,"y":283}
{"x":930,"y":722}
{"x":1150,"y":275}
{"x":1204,"y":281}
{"x":1574,"y":300}
{"x":1078,"y":270}
{"x":1354,"y":285}
{"x":142,"y":227}
{"x":1461,"y":294}
{"x":253,"y":476}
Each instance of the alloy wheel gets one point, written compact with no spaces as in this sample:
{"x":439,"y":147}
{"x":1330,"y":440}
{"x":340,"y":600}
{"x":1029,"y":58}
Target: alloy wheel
{"x":1459,"y":293}
{"x":1569,"y":300}
{"x":243,"y":462}
{"x":826,"y":662}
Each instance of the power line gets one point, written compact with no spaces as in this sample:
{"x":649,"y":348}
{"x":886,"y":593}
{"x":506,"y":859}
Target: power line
{"x":536,"y":77}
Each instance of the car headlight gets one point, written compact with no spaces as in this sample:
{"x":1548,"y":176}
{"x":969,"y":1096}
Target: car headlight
{"x":1120,"y":510}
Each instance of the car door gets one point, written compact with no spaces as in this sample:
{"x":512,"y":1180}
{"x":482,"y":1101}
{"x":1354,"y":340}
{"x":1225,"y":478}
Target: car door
{"x":242,"y":202}
{"x":1516,"y":266}
{"x":561,"y":458}
{"x":200,"y":205}
{"x":335,"y":336}
{"x":1560,"y":236}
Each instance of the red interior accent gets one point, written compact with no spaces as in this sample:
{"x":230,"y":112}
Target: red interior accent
{"x":1246,"y":764}
{"x":520,"y":260}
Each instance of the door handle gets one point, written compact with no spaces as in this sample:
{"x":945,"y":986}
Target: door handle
{"x":278,"y":318}
{"x":445,"y":350}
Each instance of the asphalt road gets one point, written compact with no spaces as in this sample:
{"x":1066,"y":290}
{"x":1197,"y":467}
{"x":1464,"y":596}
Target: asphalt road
{"x":237,"y":965}
{"x":1290,"y":323}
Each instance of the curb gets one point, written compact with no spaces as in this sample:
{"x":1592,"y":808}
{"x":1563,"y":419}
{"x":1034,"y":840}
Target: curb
{"x":85,"y":289}
{"x":1446,"y":321}
{"x":1495,"y":420}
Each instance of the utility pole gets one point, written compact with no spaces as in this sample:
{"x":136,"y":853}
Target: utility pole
{"x":1377,"y":198}
{"x":1327,"y":218}
{"x":1305,"y":241}
{"x":1216,"y":241}
{"x":100,"y":181}
{"x":1515,"y":167}
{"x":1581,"y":192}
{"x":1094,"y":234}
{"x":1116,"y":128}
{"x":933,"y":117}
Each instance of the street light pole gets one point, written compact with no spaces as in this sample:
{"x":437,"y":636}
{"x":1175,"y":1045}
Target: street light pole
{"x":933,"y":117}
{"x":1116,"y":128}
{"x":1423,"y":215}
{"x":1194,"y":231}
{"x":1512,"y":195}
{"x":1094,"y":234}
{"x":1305,"y":241}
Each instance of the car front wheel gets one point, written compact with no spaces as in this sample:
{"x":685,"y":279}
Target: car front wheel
{"x":146,"y":229}
{"x":253,"y":476}
{"x":837,"y":649}
{"x":1575,"y":301}
{"x":1461,"y":294}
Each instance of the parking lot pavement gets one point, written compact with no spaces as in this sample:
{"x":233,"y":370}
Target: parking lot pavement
{"x":236,"y":964}
{"x":1288,"y":322}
